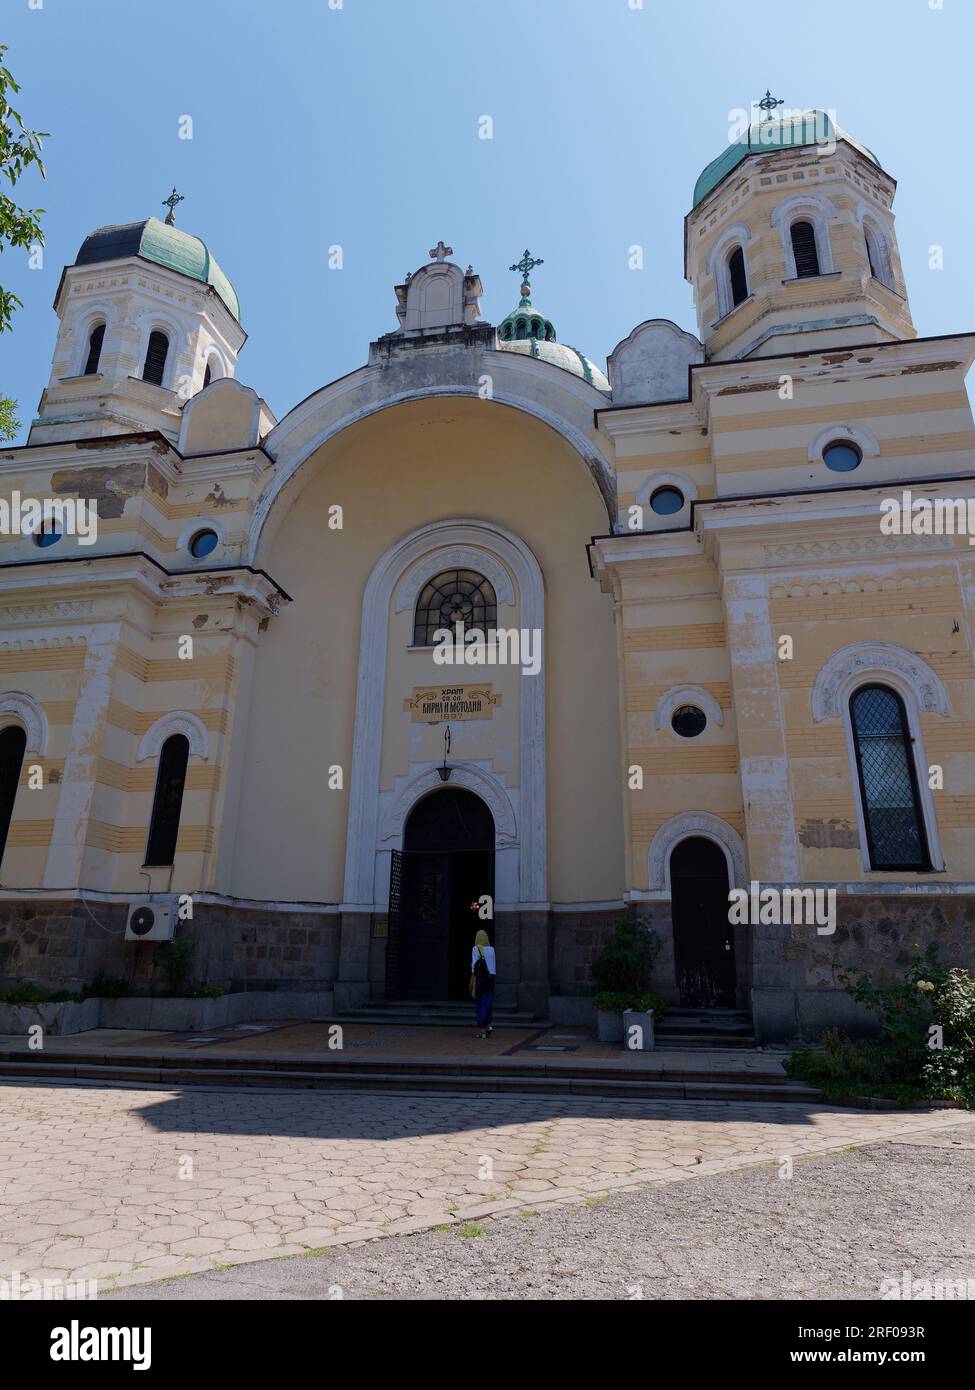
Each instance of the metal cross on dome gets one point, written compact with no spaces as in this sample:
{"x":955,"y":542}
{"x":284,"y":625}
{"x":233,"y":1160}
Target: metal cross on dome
{"x":171,"y":202}
{"x":768,"y":104}
{"x":439,"y":253}
{"x":526,"y":265}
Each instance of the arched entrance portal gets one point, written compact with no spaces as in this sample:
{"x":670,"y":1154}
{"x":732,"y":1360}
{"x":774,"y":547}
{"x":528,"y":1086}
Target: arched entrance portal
{"x":446,"y":864}
{"x":704,"y":948}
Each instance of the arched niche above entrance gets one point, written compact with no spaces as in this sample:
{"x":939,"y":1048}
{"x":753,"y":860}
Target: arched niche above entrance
{"x":694,"y":823}
{"x":468,"y":777}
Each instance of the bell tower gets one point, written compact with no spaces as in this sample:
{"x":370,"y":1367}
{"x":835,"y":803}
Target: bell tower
{"x":147,"y":319}
{"x":791,"y":244}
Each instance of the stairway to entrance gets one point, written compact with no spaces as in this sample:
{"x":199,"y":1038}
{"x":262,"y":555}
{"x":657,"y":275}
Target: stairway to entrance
{"x":449,"y":1013}
{"x":710,"y":1028}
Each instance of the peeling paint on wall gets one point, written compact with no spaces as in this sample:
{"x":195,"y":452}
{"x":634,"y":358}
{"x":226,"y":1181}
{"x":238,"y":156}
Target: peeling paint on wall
{"x":828,"y":834}
{"x":109,"y":487}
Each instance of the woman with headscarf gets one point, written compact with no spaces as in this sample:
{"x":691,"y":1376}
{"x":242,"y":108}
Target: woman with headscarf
{"x":483,"y":971}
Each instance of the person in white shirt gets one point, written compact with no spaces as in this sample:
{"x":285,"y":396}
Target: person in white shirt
{"x":483,"y":970}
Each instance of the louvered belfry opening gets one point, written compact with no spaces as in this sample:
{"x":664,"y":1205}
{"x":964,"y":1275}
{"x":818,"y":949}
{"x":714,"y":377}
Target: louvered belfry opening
{"x":94,"y":349}
{"x":804,"y":249}
{"x":736,"y":270}
{"x":156,"y":358}
{"x":168,"y":801}
{"x":888,"y":780}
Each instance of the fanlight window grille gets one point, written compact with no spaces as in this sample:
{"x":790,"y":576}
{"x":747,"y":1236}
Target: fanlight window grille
{"x":451,"y":597}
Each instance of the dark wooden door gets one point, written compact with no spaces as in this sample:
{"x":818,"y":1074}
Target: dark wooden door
{"x":704,"y":948}
{"x":446,"y":863}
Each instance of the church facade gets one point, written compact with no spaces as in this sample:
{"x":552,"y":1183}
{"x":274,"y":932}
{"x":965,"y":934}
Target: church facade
{"x":711,"y":615}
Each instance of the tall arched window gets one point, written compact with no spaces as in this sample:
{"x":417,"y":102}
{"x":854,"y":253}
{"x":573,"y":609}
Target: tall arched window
{"x":804,"y":249}
{"x":13,"y":741}
{"x":736,"y":274}
{"x":455,"y":596}
{"x":877,"y":256}
{"x":156,"y":353}
{"x":168,"y":801}
{"x":892,"y":810}
{"x":207,"y":375}
{"x":95,"y":341}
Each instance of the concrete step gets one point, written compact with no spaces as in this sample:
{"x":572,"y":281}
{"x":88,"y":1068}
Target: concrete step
{"x":527,"y":1076}
{"x":705,"y":1042}
{"x":422,"y":1016}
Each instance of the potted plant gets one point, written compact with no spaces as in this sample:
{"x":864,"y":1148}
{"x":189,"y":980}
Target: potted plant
{"x":638,"y":1019}
{"x":622,"y":971}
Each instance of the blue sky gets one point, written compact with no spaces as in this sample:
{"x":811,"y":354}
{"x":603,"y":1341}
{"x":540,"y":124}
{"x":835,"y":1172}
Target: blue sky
{"x":358,"y":126}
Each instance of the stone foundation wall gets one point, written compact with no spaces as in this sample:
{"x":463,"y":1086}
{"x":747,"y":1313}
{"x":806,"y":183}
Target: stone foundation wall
{"x":63,"y":945}
{"x":796,"y":986}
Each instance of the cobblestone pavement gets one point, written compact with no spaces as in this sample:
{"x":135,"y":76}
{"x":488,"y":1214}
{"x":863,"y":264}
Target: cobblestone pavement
{"x":132,"y":1184}
{"x":888,"y":1220}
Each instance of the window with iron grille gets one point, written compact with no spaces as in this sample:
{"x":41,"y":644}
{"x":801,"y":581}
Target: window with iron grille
{"x":168,"y":801}
{"x":804,"y":249}
{"x":13,"y":741}
{"x":156,"y":358}
{"x":736,"y":272}
{"x":455,"y":596}
{"x":94,"y":349}
{"x":889,"y":792}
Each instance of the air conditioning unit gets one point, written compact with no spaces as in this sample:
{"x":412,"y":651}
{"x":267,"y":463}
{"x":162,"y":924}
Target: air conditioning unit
{"x":150,"y":920}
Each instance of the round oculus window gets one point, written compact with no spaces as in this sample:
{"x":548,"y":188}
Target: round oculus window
{"x":842,"y":457}
{"x":203,"y":543}
{"x":667,"y":500}
{"x":47,"y":534}
{"x":688,"y":721}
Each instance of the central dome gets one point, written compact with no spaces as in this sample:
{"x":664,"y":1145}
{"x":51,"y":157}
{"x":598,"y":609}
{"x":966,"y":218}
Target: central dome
{"x":527,"y":331}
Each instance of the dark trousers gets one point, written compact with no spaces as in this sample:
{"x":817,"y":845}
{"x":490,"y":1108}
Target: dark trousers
{"x":485,"y":1006}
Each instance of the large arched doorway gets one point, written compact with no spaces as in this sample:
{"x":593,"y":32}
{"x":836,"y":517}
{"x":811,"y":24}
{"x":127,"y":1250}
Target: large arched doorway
{"x":704,"y":948}
{"x":446,"y":865}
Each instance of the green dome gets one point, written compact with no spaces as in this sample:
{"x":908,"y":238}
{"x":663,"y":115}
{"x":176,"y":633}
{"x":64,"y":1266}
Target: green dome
{"x":527,"y":331}
{"x":165,"y":245}
{"x":792,"y":132}
{"x":570,"y":359}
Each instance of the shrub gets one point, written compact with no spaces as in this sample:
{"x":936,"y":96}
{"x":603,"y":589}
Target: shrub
{"x":108,"y":987}
{"x":31,"y":994}
{"x":174,"y":959}
{"x":930,"y":1005}
{"x":207,"y":991}
{"x":625,"y":964}
{"x":616,"y":1003}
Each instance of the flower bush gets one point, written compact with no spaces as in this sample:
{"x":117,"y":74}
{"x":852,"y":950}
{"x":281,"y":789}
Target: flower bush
{"x":926,"y":1047}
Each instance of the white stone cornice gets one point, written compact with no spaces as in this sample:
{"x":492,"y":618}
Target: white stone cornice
{"x":853,"y":364}
{"x":623,"y":421}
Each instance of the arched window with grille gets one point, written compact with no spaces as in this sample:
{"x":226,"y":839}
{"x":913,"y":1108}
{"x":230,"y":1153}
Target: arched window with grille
{"x":737,"y":277}
{"x":13,"y":741}
{"x":804,"y":249}
{"x":168,"y":800}
{"x":889,"y":793}
{"x":156,"y":353}
{"x":454,"y":596}
{"x":95,"y":340}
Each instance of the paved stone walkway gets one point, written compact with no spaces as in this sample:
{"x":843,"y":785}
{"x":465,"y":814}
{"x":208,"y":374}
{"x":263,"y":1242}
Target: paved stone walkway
{"x":133,"y":1184}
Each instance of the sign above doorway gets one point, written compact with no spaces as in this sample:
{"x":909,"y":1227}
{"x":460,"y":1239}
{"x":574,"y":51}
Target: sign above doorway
{"x":434,"y":703}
